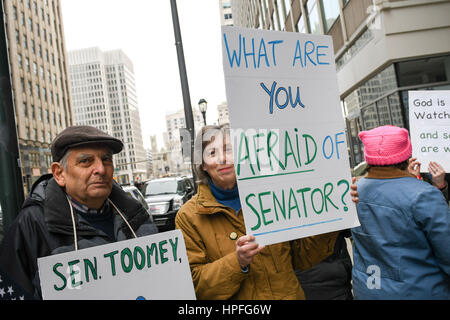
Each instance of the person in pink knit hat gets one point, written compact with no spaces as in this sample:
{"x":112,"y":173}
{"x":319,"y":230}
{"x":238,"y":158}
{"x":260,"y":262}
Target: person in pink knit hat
{"x":401,"y":249}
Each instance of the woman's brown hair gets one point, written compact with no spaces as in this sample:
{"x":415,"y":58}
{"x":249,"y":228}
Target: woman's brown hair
{"x":205,"y":136}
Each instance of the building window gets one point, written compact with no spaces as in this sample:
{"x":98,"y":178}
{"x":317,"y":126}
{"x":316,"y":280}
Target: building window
{"x":22,"y":81}
{"x":313,"y":17}
{"x":281,"y":14}
{"x":301,"y":25}
{"x":423,"y":71}
{"x":330,"y":11}
{"x":35,"y":157}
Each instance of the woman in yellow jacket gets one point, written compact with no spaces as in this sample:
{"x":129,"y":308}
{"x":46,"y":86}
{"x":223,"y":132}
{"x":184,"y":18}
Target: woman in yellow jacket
{"x":225,"y":262}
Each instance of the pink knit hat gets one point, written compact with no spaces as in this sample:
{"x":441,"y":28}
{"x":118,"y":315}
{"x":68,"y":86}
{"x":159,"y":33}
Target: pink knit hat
{"x":386,"y":145}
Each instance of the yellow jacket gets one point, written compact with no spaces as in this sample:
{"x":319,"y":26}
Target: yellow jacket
{"x":208,"y":228}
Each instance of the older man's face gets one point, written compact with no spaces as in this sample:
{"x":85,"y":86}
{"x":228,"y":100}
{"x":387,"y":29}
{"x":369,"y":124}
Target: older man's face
{"x":88,"y":176}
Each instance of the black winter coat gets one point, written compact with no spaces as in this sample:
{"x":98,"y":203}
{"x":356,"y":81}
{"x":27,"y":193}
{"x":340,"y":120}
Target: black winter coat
{"x":330,"y":279}
{"x":44,"y":227}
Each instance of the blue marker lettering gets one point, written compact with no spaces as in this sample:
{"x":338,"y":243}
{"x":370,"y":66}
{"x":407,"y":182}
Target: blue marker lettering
{"x":297,"y":98}
{"x":251,"y":53}
{"x":234,"y":55}
{"x":270,"y":93}
{"x":262,"y":46}
{"x":273,"y":43}
{"x":276,"y":98}
{"x":307,"y":53}
{"x":320,"y":54}
{"x":338,"y":142}
{"x":323,"y":147}
{"x":298,"y":54}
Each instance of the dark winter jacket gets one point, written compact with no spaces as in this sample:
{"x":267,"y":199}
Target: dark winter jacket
{"x":330,"y":279}
{"x":44,"y":227}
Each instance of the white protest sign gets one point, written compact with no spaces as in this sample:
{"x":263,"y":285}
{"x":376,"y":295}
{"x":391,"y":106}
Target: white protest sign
{"x":288,"y":134}
{"x":429,"y":123}
{"x":153,"y":267}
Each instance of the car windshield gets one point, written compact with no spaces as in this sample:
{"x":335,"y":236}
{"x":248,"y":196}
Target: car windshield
{"x":161,"y":187}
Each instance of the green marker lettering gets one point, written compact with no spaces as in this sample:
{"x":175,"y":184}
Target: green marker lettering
{"x":59,"y":274}
{"x":282,"y":208}
{"x":254,"y":211}
{"x":152,"y":250}
{"x":92,"y":267}
{"x":264,"y":211}
{"x":163,"y":251}
{"x":73,"y":272}
{"x":291,"y":207}
{"x":113,"y":262}
{"x":174,"y":248}
{"x":126,"y":253}
{"x":139,"y":252}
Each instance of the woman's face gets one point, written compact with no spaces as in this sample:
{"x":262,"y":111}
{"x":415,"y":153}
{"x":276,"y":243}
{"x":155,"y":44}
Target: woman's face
{"x":218,"y":162}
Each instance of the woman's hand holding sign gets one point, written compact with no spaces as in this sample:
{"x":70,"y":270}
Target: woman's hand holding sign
{"x":246,"y":249}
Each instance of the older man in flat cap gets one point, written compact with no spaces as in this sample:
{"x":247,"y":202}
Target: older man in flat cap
{"x":77,"y":206}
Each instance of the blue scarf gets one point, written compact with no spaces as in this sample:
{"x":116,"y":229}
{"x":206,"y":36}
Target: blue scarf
{"x":229,"y":198}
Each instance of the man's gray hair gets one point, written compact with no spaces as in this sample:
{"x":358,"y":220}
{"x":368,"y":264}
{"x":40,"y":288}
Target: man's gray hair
{"x":63,"y":162}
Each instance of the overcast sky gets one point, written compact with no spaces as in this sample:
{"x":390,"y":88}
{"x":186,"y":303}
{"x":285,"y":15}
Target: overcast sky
{"x":143,"y":29}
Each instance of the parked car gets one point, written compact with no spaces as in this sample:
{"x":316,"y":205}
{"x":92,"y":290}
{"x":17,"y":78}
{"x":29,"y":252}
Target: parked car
{"x":136,"y":194}
{"x":165,"y":197}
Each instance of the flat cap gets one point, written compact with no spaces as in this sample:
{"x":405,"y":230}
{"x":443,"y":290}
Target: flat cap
{"x":76,"y":136}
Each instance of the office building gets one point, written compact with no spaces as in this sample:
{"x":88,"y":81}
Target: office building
{"x":104,"y":96}
{"x":226,"y":15}
{"x":222,"y":112}
{"x":382,"y":48}
{"x":39,"y":78}
{"x":173,"y":159}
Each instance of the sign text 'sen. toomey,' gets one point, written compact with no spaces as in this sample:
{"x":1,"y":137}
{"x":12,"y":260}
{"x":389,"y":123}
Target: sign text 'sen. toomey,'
{"x":154,"y":267}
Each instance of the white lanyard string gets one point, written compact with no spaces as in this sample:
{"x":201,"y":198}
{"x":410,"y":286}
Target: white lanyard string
{"x":73,"y":224}
{"x":75,"y":228}
{"x":120,"y":213}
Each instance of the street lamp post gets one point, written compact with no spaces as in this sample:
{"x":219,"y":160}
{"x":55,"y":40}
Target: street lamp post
{"x":184,"y":84}
{"x":202,"y":106}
